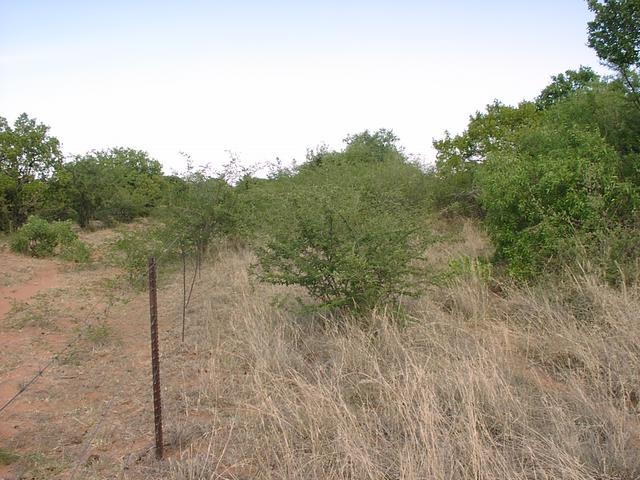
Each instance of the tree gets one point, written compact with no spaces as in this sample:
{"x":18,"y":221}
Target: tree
{"x":564,"y":84}
{"x":458,"y":157}
{"x":615,"y":36}
{"x":117,"y":184}
{"x":368,"y":147}
{"x":28,"y":157}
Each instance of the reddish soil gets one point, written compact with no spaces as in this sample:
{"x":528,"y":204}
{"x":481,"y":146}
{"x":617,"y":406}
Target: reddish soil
{"x":43,"y":274}
{"x":46,"y":276}
{"x":89,"y":413}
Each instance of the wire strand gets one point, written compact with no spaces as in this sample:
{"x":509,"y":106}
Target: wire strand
{"x":57,"y":355}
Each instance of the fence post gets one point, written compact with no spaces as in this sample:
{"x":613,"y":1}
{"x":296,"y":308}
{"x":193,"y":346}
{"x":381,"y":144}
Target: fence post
{"x":155,"y":358}
{"x":184,"y":291}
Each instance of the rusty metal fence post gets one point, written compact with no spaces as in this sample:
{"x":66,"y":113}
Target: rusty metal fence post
{"x":155,"y":357}
{"x":184,"y":291}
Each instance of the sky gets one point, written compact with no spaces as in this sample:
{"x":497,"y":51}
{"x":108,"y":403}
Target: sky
{"x":262,"y":80}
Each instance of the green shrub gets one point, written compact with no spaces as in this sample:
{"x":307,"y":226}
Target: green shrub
{"x":199,"y":209}
{"x":346,"y":230}
{"x":115,"y":185}
{"x":132,"y":250}
{"x":459,"y":158}
{"x":40,"y":238}
{"x":342,"y":257}
{"x":557,"y":188}
{"x":36,"y":238}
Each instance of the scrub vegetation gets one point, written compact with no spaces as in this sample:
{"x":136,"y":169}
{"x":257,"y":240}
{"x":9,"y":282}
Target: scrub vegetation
{"x":366,"y":316}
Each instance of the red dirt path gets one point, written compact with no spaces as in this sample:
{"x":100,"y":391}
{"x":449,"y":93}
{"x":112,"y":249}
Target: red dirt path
{"x":52,"y":424}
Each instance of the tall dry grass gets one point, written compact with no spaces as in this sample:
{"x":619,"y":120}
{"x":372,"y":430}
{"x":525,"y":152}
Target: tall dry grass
{"x":470,"y":382}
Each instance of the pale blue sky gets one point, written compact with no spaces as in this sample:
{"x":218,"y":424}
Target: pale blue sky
{"x":267,"y":79}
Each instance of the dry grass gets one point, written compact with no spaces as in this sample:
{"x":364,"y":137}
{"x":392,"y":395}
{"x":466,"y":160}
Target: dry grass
{"x":468,"y":384}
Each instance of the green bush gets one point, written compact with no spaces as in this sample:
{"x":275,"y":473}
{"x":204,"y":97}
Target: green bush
{"x":40,"y":238}
{"x":132,"y":251}
{"x":28,"y":157}
{"x":342,"y":257}
{"x":347,"y":230}
{"x":559,"y":187}
{"x":199,"y":209}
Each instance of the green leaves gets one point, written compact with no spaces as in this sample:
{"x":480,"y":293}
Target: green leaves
{"x":348,"y":232}
{"x":615,"y":36}
{"x":459,"y":156}
{"x":112,"y":185}
{"x":27,"y":154}
{"x":614,"y":33}
{"x":557,"y":184}
{"x":564,"y":84}
{"x":40,"y":238}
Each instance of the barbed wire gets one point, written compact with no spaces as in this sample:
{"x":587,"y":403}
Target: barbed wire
{"x":84,"y":453}
{"x":75,"y":339}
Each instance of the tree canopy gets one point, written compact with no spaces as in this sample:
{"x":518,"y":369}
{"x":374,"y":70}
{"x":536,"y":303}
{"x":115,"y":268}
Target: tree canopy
{"x":28,"y":156}
{"x":614,"y":34}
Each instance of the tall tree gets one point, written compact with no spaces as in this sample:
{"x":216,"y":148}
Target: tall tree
{"x":28,"y":156}
{"x":615,"y":36}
